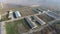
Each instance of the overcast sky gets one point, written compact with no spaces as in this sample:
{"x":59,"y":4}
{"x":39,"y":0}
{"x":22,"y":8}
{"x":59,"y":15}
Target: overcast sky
{"x":30,"y":2}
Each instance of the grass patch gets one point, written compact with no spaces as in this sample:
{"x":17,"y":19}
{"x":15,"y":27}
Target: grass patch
{"x":16,"y":27}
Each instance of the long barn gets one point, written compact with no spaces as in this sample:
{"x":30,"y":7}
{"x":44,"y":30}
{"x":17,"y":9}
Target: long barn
{"x":17,"y":14}
{"x":31,"y":24}
{"x":39,"y":20}
{"x":51,"y":14}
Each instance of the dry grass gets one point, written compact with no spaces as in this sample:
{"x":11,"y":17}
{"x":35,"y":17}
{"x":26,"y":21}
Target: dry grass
{"x":25,"y":11}
{"x":16,"y":27}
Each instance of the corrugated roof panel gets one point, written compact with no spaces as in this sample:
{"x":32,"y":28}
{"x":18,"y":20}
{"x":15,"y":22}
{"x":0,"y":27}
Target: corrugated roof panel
{"x":39,"y":20}
{"x":52,"y":14}
{"x":32,"y":24}
{"x":17,"y":13}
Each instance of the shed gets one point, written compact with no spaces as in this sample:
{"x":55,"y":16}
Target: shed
{"x":31,"y":24}
{"x":51,"y":14}
{"x":17,"y":14}
{"x":39,"y":20}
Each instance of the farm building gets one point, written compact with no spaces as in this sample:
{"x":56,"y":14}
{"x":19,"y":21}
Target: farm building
{"x":16,"y":14}
{"x":51,"y":14}
{"x":45,"y":17}
{"x":39,"y":20}
{"x":39,"y":10}
{"x":30,"y":23}
{"x":36,"y":11}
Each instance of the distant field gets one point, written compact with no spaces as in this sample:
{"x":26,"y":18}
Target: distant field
{"x":25,"y":11}
{"x":16,"y":27}
{"x":2,"y":11}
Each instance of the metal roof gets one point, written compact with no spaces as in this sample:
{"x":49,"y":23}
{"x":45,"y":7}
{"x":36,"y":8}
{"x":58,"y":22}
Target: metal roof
{"x":32,"y":24}
{"x":39,"y":20}
{"x":17,"y":13}
{"x":52,"y":14}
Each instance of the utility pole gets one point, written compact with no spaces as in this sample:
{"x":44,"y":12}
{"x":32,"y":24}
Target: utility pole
{"x":1,"y":5}
{"x":0,"y":17}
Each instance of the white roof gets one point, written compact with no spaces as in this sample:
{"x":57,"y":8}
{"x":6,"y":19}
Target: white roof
{"x":18,"y":14}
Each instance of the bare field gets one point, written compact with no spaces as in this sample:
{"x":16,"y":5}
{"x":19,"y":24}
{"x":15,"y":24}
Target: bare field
{"x":2,"y":11}
{"x":25,"y":11}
